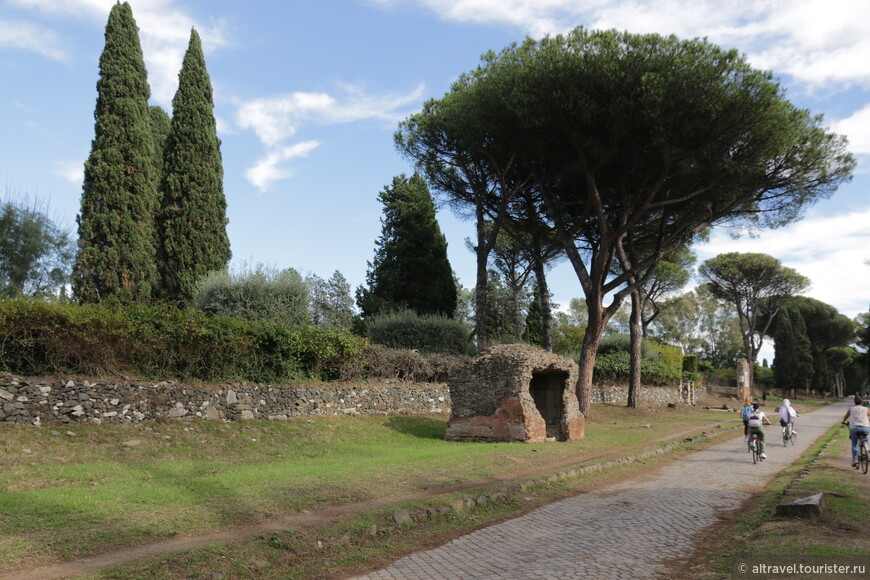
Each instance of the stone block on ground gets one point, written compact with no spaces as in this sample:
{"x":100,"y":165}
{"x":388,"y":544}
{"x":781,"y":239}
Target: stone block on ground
{"x":805,"y":507}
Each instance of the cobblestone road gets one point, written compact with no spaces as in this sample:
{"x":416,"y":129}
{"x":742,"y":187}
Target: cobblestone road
{"x":627,"y":530}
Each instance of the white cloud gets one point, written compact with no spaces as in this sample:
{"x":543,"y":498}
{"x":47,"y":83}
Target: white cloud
{"x":817,"y":42}
{"x":71,"y":171}
{"x":164,"y":32}
{"x":273,"y":167}
{"x":857,"y":129}
{"x":32,"y":37}
{"x":276,"y":119}
{"x":830,"y":251}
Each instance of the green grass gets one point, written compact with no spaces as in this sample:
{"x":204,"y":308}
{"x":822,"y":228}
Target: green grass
{"x":85,"y":489}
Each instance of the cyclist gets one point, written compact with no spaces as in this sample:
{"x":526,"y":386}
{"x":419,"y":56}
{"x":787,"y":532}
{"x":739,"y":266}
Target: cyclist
{"x":787,"y":415}
{"x":858,"y":417}
{"x":745,"y":412}
{"x":756,"y":421}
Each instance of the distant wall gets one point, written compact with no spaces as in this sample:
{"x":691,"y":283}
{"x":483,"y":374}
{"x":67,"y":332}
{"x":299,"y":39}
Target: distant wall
{"x":36,"y":401}
{"x":618,"y":393}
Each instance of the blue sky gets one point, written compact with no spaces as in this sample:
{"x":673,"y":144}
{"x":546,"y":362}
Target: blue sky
{"x":308,"y":95}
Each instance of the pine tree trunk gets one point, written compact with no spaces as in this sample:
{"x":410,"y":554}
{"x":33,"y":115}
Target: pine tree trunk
{"x":635,"y":350}
{"x":480,"y":303}
{"x":594,"y":329}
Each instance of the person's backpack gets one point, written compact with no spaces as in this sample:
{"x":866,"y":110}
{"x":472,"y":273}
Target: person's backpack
{"x":747,"y":410}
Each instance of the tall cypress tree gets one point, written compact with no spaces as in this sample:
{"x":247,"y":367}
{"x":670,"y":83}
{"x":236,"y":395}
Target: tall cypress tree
{"x":192,"y":219}
{"x":793,"y":363}
{"x":410,"y":268}
{"x":116,"y":228}
{"x":160,"y":127}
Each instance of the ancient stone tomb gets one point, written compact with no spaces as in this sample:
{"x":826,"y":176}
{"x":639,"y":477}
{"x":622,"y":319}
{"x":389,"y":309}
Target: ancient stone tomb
{"x":516,"y":393}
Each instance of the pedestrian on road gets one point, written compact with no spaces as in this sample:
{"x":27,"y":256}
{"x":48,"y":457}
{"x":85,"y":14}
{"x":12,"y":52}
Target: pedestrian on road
{"x":858,"y":417}
{"x":756,"y":422}
{"x":764,"y":398}
{"x":787,"y":414}
{"x":745,"y":412}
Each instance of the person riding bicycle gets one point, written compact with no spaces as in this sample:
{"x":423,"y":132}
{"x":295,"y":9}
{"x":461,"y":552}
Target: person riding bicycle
{"x":858,"y":418}
{"x":787,"y":415}
{"x":745,"y":412}
{"x":756,"y":420}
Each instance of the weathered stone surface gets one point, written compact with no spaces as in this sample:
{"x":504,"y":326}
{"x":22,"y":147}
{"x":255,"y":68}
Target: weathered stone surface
{"x":78,"y":401}
{"x":805,"y":507}
{"x":515,"y":393}
{"x":608,"y":392}
{"x":402,"y":517}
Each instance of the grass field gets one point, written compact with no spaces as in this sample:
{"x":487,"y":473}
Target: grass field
{"x":71,"y":491}
{"x":74,"y":491}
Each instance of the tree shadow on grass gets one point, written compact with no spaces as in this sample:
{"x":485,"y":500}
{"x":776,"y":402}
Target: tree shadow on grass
{"x":421,"y":427}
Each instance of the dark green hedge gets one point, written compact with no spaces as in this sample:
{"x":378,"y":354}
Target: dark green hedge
{"x":39,"y":337}
{"x":428,"y":334}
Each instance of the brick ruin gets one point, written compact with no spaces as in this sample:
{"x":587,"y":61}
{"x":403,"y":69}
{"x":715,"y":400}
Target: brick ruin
{"x":516,"y":392}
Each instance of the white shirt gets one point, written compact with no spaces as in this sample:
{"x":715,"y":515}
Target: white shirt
{"x":858,"y":417}
{"x":787,"y":412}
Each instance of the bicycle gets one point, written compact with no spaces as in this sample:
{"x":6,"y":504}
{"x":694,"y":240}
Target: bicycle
{"x":755,"y":448}
{"x":863,"y":453}
{"x":788,"y":434}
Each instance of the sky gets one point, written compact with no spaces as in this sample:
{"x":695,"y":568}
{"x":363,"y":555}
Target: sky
{"x":308,"y":96}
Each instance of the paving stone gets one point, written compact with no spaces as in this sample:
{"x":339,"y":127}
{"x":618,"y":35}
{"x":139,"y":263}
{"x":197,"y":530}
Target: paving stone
{"x":633,"y":529}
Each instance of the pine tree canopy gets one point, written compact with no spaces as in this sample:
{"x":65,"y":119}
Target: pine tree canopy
{"x":116,"y":231}
{"x":192,"y":218}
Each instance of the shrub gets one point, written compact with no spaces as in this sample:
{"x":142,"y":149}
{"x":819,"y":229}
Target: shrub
{"x":262,"y":294}
{"x":377,"y":362}
{"x":39,"y":337}
{"x":616,"y":365}
{"x":690,"y":367}
{"x":661,"y":364}
{"x":430,"y":333}
{"x":622,"y":343}
{"x":764,"y":377}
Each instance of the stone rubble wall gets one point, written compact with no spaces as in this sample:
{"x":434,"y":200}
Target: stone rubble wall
{"x":618,"y":393}
{"x":35,"y":401}
{"x":38,"y":401}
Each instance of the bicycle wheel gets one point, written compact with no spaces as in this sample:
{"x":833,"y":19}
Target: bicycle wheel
{"x":793,"y":437}
{"x":756,"y":454}
{"x":862,"y":457}
{"x":785,"y":437}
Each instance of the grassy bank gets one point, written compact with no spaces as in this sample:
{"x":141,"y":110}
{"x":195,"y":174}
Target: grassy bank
{"x":72,"y":491}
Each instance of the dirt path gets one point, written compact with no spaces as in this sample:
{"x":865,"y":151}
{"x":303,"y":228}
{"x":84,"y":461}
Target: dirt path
{"x":323,"y":516}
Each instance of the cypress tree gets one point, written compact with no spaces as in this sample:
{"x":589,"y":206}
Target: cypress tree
{"x":160,"y":127}
{"x":535,"y":320}
{"x":192,"y":220}
{"x":115,"y":227}
{"x":410,"y":268}
{"x":793,"y":363}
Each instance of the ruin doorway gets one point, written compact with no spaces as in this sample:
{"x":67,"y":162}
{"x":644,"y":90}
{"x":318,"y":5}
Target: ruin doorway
{"x":547,"y":389}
